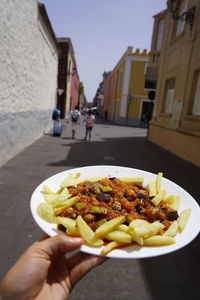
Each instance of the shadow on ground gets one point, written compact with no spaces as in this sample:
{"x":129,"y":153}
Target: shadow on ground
{"x":169,"y":276}
{"x":135,"y":152}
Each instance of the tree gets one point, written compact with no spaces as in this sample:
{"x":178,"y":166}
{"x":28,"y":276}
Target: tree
{"x":81,"y":88}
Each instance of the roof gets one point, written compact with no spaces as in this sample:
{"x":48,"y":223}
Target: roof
{"x":66,"y":40}
{"x":69,"y":42}
{"x":160,"y":13}
{"x":47,"y":22}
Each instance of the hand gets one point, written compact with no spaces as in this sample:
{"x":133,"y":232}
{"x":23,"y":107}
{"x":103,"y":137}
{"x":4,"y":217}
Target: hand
{"x":43,"y":271}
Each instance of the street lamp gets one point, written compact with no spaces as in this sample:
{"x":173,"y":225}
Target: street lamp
{"x":187,"y":16}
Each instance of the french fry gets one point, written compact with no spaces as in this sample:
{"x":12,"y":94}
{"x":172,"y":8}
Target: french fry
{"x":144,"y":229}
{"x":77,"y":175}
{"x":46,"y":212}
{"x":59,"y":191}
{"x":65,"y":192}
{"x":159,"y":240}
{"x":47,"y":190}
{"x":94,"y":178}
{"x":132,"y":179}
{"x":159,"y":197}
{"x":156,"y":227}
{"x":59,"y":210}
{"x":123,"y":228}
{"x":140,"y":228}
{"x":172,"y":230}
{"x":109,"y":226}
{"x":58,"y":200}
{"x":71,"y":180}
{"x":109,"y":247}
{"x":119,"y":236}
{"x":138,"y":222}
{"x":152,"y":188}
{"x":175,"y":203}
{"x":159,"y":182}
{"x":135,"y":238}
{"x":69,"y":224}
{"x":50,"y":197}
{"x":183,"y":219}
{"x":71,"y":201}
{"x":87,"y":234}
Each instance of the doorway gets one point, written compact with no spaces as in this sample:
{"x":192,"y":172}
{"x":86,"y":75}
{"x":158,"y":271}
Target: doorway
{"x":146,"y":112}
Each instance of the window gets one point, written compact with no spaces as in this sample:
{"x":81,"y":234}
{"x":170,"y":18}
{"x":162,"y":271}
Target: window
{"x":160,"y":35}
{"x":169,"y":96}
{"x":181,"y":22}
{"x":196,"y":105}
{"x":150,"y":79}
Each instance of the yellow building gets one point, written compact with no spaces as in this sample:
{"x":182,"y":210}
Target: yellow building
{"x":175,"y":54}
{"x":125,"y":99}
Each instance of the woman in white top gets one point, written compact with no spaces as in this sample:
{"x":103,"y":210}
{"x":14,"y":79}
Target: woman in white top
{"x":89,"y":119}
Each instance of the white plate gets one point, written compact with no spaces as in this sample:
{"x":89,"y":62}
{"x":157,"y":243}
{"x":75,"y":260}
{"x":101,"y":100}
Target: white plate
{"x":191,"y":231}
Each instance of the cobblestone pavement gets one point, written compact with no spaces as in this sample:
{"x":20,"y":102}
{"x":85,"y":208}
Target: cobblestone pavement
{"x":176,"y":275}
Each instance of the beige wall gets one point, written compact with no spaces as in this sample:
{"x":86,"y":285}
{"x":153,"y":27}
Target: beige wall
{"x":183,"y":145}
{"x":178,"y":131}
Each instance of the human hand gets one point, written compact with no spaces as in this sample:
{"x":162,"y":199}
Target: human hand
{"x":43,"y":271}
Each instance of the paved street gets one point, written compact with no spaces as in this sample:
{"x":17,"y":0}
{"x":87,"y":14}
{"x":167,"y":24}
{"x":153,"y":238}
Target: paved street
{"x":176,"y":275}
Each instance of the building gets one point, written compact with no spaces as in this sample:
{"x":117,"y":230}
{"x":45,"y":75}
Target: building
{"x":175,"y":54}
{"x":28,"y":77}
{"x":98,"y":100}
{"x":125,"y":98}
{"x":74,"y":94}
{"x":68,"y":79}
{"x":82,"y":98}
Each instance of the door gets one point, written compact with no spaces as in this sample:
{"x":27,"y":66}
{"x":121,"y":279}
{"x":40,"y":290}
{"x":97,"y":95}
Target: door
{"x":146,"y":112}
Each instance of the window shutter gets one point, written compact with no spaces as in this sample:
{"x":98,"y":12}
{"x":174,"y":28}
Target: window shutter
{"x":160,"y":35}
{"x":181,"y":23}
{"x":196,"y":106}
{"x":169,"y":101}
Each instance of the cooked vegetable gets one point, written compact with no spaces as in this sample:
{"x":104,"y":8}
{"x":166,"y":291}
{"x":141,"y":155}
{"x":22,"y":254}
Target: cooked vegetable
{"x":106,"y":188}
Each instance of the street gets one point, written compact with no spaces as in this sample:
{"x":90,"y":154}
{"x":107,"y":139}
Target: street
{"x":172,"y":276}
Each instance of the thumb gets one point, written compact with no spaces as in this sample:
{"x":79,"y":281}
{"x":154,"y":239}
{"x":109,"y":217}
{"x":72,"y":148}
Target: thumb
{"x":59,"y":244}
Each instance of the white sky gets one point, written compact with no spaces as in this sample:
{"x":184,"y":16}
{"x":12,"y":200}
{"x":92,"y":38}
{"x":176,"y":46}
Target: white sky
{"x":101,"y":31}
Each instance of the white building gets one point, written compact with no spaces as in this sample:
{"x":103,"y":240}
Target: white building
{"x":28,"y":76}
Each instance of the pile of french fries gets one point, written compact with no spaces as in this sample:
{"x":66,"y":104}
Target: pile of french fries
{"x":119,"y":234}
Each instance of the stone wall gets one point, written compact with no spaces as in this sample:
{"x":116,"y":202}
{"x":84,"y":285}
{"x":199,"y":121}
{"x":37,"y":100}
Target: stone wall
{"x":28,"y":76}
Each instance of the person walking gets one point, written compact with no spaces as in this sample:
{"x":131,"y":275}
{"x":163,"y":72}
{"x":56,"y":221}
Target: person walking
{"x":75,"y":116}
{"x":57,"y":126}
{"x":89,"y":119}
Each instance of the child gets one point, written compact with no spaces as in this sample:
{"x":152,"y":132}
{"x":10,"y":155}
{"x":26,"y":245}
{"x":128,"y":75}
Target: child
{"x":89,"y":124}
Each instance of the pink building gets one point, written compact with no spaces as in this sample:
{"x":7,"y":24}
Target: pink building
{"x":74,"y":93}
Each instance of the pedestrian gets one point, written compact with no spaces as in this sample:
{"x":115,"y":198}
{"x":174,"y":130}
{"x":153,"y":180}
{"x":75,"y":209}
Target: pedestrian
{"x":75,"y":117}
{"x":56,"y":114}
{"x":57,"y":126}
{"x":44,"y":272}
{"x":89,"y":120}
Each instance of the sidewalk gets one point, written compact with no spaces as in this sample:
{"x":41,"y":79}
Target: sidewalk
{"x":172,"y":276}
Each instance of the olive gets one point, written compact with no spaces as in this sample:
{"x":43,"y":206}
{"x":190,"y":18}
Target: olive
{"x":103,"y":197}
{"x":139,"y":209}
{"x":112,"y":178}
{"x":141,"y":195}
{"x":172,"y":215}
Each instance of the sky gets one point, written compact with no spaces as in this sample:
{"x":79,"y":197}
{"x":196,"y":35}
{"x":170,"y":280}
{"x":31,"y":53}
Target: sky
{"x":101,"y":31}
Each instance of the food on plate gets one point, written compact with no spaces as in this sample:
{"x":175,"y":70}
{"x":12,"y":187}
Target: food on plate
{"x":114,"y":212}
{"x":183,"y":219}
